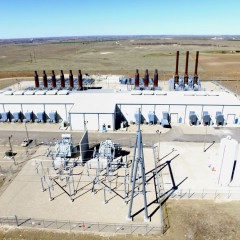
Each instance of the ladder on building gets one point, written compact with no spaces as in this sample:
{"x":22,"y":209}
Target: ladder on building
{"x":159,"y":188}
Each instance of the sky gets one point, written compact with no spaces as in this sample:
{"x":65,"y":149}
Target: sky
{"x":52,"y":18}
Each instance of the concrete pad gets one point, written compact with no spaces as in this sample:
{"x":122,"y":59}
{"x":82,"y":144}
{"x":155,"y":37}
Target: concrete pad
{"x":191,"y":167}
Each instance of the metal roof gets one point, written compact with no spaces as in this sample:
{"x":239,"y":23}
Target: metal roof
{"x":85,"y":101}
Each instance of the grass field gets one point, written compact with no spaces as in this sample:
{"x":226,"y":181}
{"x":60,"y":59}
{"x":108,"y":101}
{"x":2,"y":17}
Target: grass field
{"x":217,"y":57}
{"x":189,"y":219}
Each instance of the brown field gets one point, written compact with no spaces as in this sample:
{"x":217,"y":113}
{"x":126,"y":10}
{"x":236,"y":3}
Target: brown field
{"x":217,"y":57}
{"x":189,"y":219}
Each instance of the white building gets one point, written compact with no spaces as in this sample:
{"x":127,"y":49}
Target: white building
{"x":92,"y":109}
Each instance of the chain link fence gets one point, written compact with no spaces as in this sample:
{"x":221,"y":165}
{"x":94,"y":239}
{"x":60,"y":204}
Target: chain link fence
{"x":206,"y":194}
{"x":82,"y":226}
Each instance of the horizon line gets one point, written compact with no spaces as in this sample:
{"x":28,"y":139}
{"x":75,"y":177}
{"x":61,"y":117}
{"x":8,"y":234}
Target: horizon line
{"x":129,"y":35}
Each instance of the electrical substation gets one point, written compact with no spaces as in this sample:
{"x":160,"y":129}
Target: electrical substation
{"x":125,"y":179}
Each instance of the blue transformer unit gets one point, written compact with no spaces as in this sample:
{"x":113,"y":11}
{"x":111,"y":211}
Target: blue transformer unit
{"x":5,"y":116}
{"x":151,"y":117}
{"x":53,"y":116}
{"x":137,"y":117}
{"x":16,"y":117}
{"x":166,"y":119}
{"x":123,"y":80}
{"x":219,"y":119}
{"x":40,"y":117}
{"x":28,"y":117}
{"x":206,"y":118}
{"x":193,"y":119}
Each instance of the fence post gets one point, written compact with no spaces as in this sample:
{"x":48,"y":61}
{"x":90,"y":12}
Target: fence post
{"x":16,"y":219}
{"x":215,"y":195}
{"x":189,"y":193}
{"x":229,"y":194}
{"x":70,"y":226}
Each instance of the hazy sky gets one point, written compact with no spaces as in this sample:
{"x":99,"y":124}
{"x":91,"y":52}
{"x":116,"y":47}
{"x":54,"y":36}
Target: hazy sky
{"x":46,"y":18}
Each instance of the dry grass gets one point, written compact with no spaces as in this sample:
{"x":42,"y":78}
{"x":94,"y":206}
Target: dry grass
{"x":122,"y":57}
{"x":189,"y":219}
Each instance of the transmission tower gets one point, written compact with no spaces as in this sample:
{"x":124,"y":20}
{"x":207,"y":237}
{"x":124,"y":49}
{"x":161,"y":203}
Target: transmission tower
{"x":138,"y":173}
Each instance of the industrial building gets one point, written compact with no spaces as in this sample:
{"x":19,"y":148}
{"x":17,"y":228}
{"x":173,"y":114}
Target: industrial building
{"x":83,"y":106}
{"x":98,"y":109}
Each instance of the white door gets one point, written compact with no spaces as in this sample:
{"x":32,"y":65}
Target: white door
{"x":91,"y":121}
{"x":174,"y":117}
{"x":230,"y":118}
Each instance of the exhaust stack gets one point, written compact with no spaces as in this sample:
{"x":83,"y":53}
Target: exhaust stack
{"x":62,"y":79}
{"x":45,"y":83}
{"x":71,"y":79}
{"x":53,"y":79}
{"x":80,"y":79}
{"x":176,"y":77}
{"x":146,"y":78}
{"x":155,"y":81}
{"x":36,"y":79}
{"x":186,"y":69}
{"x":196,"y":68}
{"x":137,"y":78}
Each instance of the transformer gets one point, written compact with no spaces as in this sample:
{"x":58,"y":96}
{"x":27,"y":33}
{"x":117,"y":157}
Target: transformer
{"x":193,"y":119}
{"x":206,"y":118}
{"x":4,"y":116}
{"x":165,"y":120}
{"x":106,"y":155}
{"x":28,"y":117}
{"x":52,"y":117}
{"x":137,"y":117}
{"x":151,"y":117}
{"x":16,"y":117}
{"x":219,"y":119}
{"x":64,"y":146}
{"x":41,"y":117}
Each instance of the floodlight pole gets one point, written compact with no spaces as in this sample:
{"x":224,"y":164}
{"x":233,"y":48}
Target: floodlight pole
{"x":159,"y":134}
{"x":10,"y":144}
{"x":26,"y":131}
{"x":205,"y":140}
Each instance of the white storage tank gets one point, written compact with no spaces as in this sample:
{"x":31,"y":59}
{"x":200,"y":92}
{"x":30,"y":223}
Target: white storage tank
{"x":227,"y":165}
